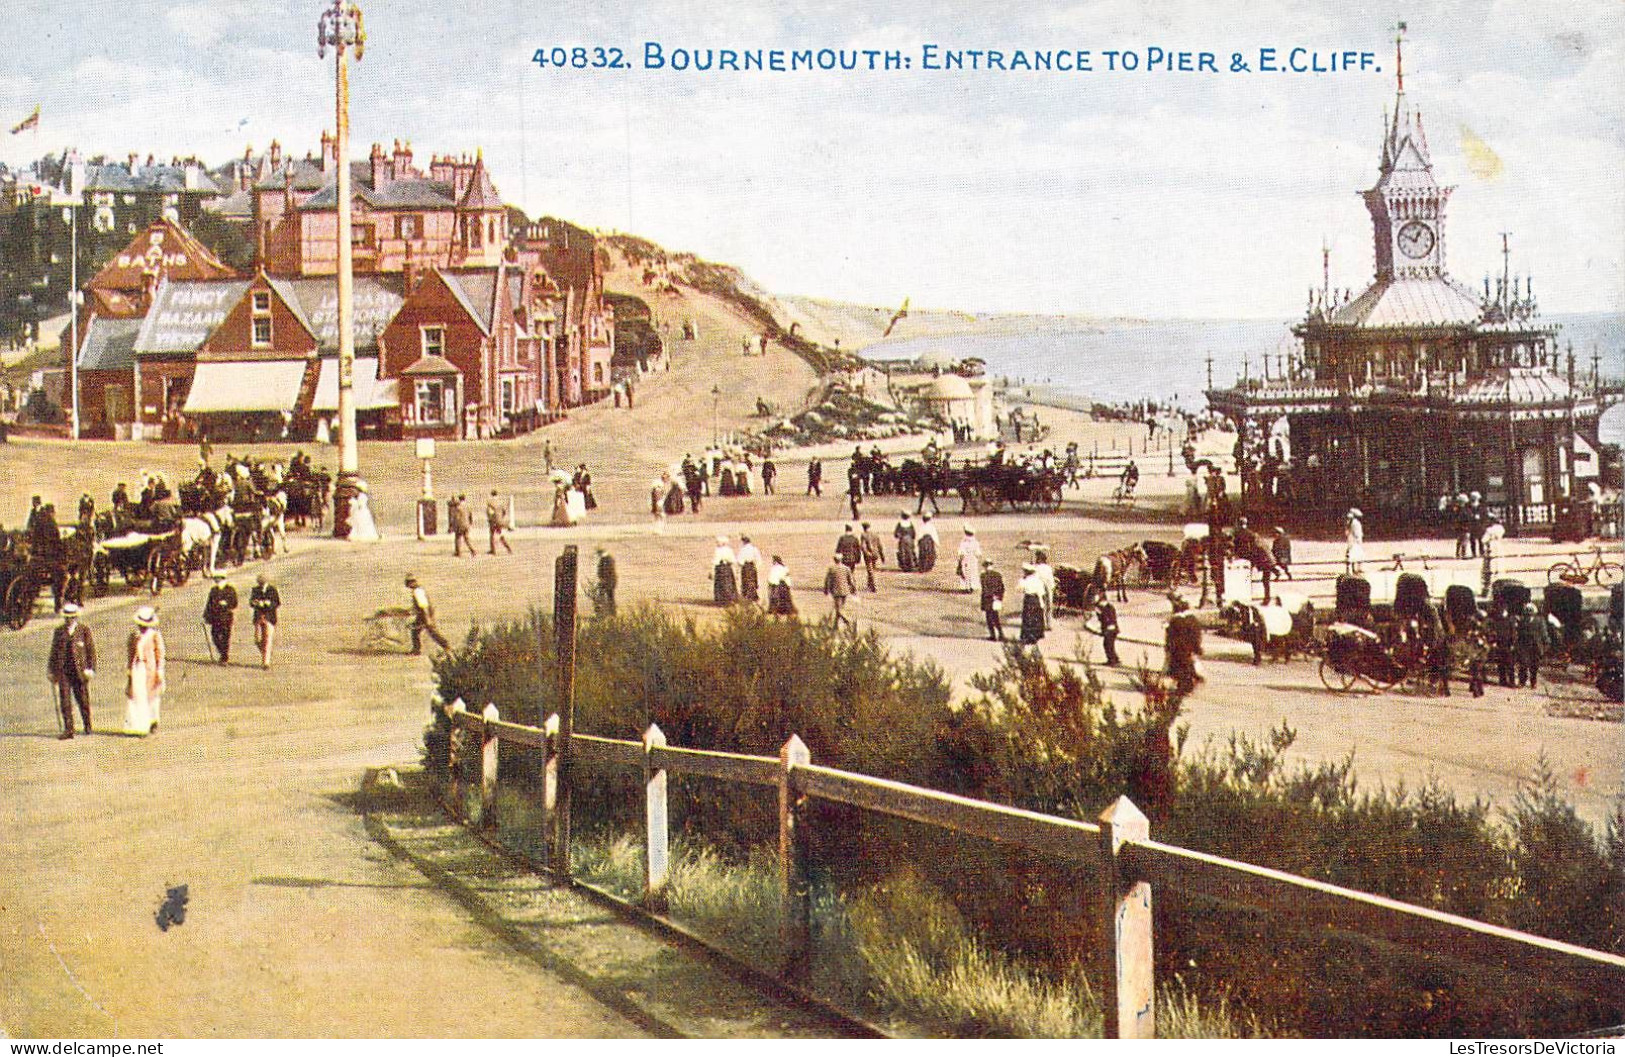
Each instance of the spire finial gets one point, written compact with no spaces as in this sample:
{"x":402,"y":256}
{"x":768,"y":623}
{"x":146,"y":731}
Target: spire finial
{"x":1399,"y":57}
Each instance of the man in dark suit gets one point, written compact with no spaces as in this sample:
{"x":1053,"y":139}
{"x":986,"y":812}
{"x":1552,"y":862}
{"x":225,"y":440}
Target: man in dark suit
{"x":992,"y":584}
{"x":218,"y":613}
{"x":264,"y":601}
{"x":849,"y":549}
{"x":71,"y":665}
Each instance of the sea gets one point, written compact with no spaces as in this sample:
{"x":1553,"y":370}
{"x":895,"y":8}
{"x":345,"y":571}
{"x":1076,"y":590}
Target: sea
{"x":1120,"y":362}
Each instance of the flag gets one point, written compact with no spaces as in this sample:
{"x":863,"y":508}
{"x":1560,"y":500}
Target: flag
{"x":900,"y":315}
{"x":31,"y":121}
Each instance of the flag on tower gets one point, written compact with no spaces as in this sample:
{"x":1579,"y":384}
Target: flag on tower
{"x":31,"y":121}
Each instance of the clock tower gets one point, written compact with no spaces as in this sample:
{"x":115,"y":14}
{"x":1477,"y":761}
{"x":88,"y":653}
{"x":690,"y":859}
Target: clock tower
{"x":1407,"y":205}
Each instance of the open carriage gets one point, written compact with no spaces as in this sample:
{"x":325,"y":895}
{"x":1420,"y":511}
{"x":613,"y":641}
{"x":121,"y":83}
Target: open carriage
{"x":990,"y":487}
{"x":144,"y":560}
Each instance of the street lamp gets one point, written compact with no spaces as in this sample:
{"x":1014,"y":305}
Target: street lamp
{"x":341,"y":29}
{"x":716,"y":397}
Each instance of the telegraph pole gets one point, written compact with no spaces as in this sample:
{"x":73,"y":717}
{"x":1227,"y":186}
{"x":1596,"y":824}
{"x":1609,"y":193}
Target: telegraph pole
{"x":340,"y":28}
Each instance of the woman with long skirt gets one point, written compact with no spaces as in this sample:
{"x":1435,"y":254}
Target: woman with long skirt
{"x":1032,"y":605}
{"x":779,"y":602}
{"x":144,"y":689}
{"x":928,"y":545}
{"x":906,"y":553}
{"x":750,"y":560}
{"x":724,"y":581}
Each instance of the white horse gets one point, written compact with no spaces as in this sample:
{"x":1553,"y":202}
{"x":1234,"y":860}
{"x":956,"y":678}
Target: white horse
{"x":276,"y":517}
{"x":205,"y":530}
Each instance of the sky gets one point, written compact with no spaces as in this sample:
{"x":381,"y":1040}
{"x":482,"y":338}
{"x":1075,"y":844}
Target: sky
{"x":1154,"y":194}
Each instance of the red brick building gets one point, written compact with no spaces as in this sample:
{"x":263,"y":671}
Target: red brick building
{"x":451,"y":217}
{"x":464,"y":329}
{"x":116,"y":301}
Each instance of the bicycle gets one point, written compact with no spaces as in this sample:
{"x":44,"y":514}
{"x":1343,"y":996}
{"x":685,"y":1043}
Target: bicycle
{"x":1579,"y":573}
{"x":1123,"y":495}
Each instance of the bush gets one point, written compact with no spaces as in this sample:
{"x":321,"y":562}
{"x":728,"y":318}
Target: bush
{"x":743,"y":686}
{"x":1048,"y":739}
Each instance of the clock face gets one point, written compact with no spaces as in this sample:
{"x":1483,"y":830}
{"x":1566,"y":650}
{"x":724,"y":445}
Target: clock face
{"x":1415,"y":239}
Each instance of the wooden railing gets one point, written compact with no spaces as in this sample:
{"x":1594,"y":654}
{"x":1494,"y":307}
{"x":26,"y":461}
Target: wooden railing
{"x":1118,"y":848}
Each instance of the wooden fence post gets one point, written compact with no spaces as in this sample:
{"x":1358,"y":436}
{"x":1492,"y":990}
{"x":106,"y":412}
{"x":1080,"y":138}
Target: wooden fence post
{"x":456,"y":738}
{"x":656,"y":859}
{"x":488,"y":766}
{"x":564,"y":630}
{"x":550,"y":785}
{"x":795,"y":922}
{"x":1128,"y":973}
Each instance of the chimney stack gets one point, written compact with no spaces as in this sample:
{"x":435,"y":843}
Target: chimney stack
{"x":380,"y":170}
{"x":330,"y":150}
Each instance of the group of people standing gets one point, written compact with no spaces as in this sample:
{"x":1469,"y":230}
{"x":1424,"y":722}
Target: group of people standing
{"x":717,"y":472}
{"x":736,"y":576}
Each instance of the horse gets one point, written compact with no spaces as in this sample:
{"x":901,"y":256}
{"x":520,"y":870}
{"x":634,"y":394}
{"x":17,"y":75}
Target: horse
{"x":204,"y":531}
{"x":1111,"y":571}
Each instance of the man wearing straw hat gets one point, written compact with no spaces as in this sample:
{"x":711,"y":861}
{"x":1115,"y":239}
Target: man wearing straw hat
{"x":72,"y":664}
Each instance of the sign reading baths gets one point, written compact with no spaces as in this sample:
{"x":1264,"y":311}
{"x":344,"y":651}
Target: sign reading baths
{"x":943,"y":58}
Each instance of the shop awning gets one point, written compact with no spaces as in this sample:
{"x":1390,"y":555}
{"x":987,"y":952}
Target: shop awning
{"x":228,"y":386}
{"x":371,"y":392}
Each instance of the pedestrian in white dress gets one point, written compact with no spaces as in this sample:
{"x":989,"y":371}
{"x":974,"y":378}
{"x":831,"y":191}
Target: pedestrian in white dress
{"x":970,"y":561}
{"x":1355,"y":539}
{"x":144,"y":691}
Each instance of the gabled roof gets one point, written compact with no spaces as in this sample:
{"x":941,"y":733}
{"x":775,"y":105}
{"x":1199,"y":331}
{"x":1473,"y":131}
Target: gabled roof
{"x":475,"y":290}
{"x":164,"y":249}
{"x":185,"y":313}
{"x":315,"y":302}
{"x":108,"y":344}
{"x":430,"y":365}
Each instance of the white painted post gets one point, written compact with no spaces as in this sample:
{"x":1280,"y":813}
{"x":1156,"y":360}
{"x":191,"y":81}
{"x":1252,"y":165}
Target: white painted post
{"x":550,"y":785}
{"x":795,"y":940}
{"x":454,"y":757}
{"x":488,"y":767}
{"x":657,"y":858}
{"x":1128,"y":975}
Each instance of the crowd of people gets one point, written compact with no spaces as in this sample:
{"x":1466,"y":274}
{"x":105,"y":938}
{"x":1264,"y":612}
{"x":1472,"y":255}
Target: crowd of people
{"x":725,"y":472}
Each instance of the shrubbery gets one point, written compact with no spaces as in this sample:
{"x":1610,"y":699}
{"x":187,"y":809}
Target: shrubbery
{"x":1045,"y":737}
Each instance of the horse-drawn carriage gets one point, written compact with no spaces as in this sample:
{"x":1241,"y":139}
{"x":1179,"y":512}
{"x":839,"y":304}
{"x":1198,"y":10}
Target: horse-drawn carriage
{"x":30,"y":566}
{"x":988,"y":488}
{"x":146,"y":560}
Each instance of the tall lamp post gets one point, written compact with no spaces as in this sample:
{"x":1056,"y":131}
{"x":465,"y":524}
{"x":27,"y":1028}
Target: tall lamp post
{"x":716,"y":398}
{"x":341,"y":29}
{"x":72,"y":217}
